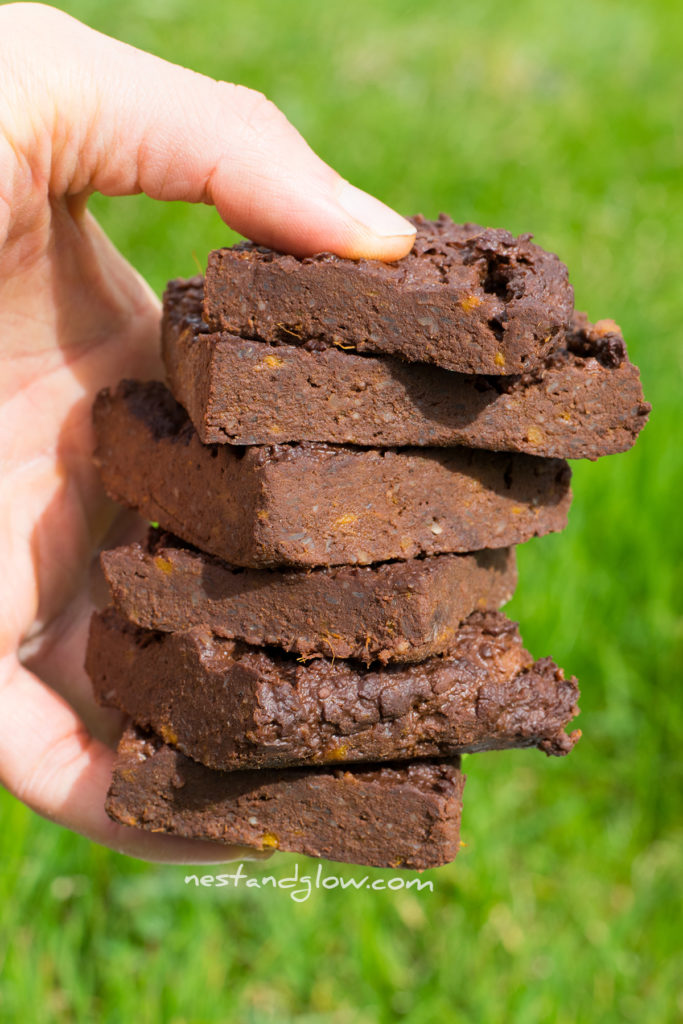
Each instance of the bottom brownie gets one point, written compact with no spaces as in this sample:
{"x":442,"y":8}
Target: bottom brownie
{"x":405,"y":816}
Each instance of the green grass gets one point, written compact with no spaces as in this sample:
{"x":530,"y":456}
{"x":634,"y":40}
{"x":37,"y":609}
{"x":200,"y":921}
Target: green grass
{"x":564,"y":906}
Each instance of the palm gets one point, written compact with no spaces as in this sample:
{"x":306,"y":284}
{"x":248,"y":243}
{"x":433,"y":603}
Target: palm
{"x":77,"y":318}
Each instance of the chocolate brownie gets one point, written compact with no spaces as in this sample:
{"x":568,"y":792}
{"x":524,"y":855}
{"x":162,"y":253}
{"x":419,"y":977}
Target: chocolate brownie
{"x":585,"y":400}
{"x":229,"y":705}
{"x":395,"y":611}
{"x":398,"y":816}
{"x":467,"y":298}
{"x":317,"y":504}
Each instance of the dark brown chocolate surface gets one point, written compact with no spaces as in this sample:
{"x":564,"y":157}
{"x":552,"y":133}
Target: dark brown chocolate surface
{"x":585,"y":400}
{"x":467,"y":298}
{"x":405,"y":816}
{"x":395,"y":611}
{"x":316,"y":504}
{"x":231,"y":706}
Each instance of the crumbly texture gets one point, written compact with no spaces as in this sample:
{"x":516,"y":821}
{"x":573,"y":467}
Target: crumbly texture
{"x":228,"y":705}
{"x":395,"y":611}
{"x":405,"y":816}
{"x":471,"y":299}
{"x":584,"y":401}
{"x":317,"y":504}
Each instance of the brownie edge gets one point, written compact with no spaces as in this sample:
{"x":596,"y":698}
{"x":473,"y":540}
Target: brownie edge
{"x":262,"y":506}
{"x":471,"y":299}
{"x":386,"y":816}
{"x":394,"y":611}
{"x":231,"y":706}
{"x":584,"y":401}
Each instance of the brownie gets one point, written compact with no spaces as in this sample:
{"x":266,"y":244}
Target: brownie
{"x":395,"y":611}
{"x":467,"y":298}
{"x":393,"y":816}
{"x":230,"y":706}
{"x":585,"y":401}
{"x":317,"y":504}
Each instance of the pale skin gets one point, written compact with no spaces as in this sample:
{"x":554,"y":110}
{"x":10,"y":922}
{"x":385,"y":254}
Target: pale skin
{"x":82,"y":113}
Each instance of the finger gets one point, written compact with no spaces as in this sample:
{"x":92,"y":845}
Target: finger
{"x":50,"y":762}
{"x":175,"y":134}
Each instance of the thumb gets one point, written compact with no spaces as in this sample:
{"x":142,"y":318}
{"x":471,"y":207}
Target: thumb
{"x":124,"y":121}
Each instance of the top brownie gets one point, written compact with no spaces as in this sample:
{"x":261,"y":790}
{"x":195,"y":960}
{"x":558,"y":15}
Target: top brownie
{"x":471,"y":299}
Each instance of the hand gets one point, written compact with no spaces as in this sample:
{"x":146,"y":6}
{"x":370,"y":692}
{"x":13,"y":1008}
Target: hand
{"x":80,"y":112}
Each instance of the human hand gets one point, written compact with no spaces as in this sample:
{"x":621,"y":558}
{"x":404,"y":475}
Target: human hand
{"x":79,"y":113}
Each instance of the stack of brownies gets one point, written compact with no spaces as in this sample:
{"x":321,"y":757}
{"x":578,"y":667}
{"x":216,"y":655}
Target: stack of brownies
{"x":336,"y":476}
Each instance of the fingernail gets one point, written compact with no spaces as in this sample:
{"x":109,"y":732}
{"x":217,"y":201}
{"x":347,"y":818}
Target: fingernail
{"x":380,"y":219}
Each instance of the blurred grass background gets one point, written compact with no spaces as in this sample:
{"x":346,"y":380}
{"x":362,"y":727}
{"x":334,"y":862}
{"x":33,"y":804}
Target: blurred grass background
{"x":564,"y":906}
